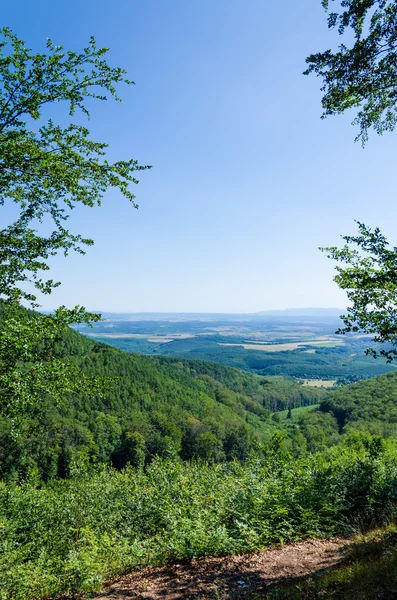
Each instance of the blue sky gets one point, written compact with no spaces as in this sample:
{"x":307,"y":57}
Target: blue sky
{"x":247,"y":180}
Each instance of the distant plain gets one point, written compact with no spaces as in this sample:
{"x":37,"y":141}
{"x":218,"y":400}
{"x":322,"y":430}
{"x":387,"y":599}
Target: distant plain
{"x":304,"y":347}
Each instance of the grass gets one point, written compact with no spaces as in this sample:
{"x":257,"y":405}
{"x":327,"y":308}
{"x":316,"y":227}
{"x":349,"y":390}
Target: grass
{"x":268,"y":347}
{"x":324,"y":383}
{"x":298,"y":412}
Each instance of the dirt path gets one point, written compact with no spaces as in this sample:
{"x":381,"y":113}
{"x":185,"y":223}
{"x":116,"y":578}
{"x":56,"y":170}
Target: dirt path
{"x":232,"y":576}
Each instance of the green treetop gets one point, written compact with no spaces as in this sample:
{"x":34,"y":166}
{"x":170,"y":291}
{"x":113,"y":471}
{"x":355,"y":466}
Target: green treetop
{"x":363,"y":73}
{"x":47,"y":168}
{"x":369,"y":277}
{"x":363,"y":76}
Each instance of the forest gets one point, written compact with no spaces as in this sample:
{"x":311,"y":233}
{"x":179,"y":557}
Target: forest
{"x":152,"y":407}
{"x":184,"y":459}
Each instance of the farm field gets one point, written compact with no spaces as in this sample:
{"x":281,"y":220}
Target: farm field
{"x":267,"y":347}
{"x":325,"y":383}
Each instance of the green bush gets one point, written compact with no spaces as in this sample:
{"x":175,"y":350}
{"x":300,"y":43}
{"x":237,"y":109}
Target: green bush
{"x":70,"y":535}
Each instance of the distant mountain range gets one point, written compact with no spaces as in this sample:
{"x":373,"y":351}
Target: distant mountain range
{"x":303,"y":312}
{"x":187,"y":316}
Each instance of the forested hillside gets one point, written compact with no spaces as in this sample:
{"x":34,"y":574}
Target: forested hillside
{"x":351,"y":414}
{"x":70,"y":520}
{"x":175,"y":408}
{"x":148,"y":407}
{"x":369,"y":406}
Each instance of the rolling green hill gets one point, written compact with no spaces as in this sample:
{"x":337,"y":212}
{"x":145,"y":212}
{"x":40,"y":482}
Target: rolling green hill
{"x":307,"y":466}
{"x":352,"y":413}
{"x":172,"y":407}
{"x":369,"y":406}
{"x":150,"y":407}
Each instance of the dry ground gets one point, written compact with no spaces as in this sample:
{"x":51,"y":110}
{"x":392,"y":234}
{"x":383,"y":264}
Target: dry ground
{"x":228,"y":577}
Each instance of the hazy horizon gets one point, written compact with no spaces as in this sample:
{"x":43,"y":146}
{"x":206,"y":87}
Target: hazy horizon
{"x":287,"y":311}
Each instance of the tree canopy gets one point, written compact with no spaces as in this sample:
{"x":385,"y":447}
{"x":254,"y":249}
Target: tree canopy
{"x":48,"y":164}
{"x":363,"y":76}
{"x":363,"y":73}
{"x":370,"y":280}
{"x":46,"y":167}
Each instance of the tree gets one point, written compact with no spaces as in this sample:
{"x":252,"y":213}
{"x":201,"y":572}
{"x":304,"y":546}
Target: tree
{"x":364,"y":75}
{"x":132,"y":450}
{"x":46,"y":169}
{"x":30,"y":369}
{"x":370,"y":280}
{"x":209,"y":447}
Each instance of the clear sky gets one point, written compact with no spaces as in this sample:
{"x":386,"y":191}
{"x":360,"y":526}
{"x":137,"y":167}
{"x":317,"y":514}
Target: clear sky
{"x":247,"y":181}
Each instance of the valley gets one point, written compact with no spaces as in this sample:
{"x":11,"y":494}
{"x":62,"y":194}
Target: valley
{"x":171,"y":459}
{"x":302,"y":346}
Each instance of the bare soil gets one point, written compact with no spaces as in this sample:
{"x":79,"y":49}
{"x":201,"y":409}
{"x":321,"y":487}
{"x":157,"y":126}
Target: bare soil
{"x":228,"y":577}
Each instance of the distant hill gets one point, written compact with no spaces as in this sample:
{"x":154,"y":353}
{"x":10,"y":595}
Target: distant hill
{"x":209,"y":317}
{"x":303,"y":312}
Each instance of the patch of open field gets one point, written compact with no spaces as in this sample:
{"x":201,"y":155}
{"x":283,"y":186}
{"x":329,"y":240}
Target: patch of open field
{"x":321,"y":343}
{"x":267,"y":347}
{"x":273,"y":347}
{"x":331,"y":344}
{"x":324,"y":383}
{"x":298,"y":412}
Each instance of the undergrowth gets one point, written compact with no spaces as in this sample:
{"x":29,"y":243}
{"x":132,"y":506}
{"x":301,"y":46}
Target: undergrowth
{"x":68,"y":536}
